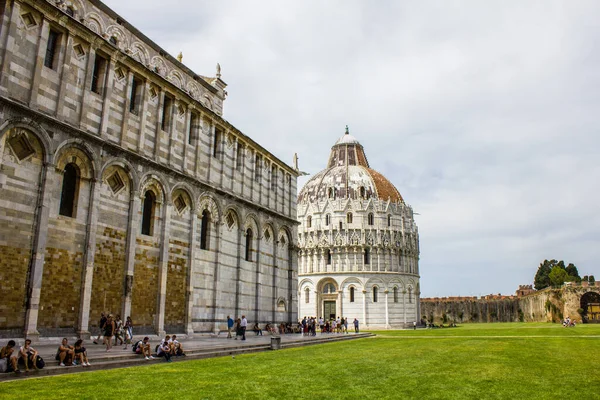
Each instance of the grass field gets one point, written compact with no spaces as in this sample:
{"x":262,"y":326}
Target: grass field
{"x":477,"y":361}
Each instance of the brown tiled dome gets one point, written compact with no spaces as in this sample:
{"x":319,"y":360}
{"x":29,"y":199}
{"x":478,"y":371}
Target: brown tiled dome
{"x":348,"y":175}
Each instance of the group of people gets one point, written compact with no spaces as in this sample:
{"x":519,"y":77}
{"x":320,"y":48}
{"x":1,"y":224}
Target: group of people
{"x":11,"y":358}
{"x":238,"y":326}
{"x":68,"y":355}
{"x":568,"y":322}
{"x":332,"y":325}
{"x":114,"y":327}
{"x":168,"y":347}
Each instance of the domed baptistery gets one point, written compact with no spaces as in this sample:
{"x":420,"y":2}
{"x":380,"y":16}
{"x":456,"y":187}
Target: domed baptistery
{"x":358,"y":244}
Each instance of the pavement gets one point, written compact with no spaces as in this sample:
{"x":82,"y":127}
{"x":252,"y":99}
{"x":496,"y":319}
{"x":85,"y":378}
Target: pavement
{"x":199,"y":346}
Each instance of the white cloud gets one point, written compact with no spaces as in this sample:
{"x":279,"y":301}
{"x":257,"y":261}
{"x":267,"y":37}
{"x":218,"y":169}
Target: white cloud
{"x":483,"y":114}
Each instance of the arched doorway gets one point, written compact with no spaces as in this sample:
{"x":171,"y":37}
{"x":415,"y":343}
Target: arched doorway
{"x":590,"y":306}
{"x":328,"y":299}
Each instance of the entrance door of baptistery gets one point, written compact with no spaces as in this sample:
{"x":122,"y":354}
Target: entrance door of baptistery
{"x":329,"y":309}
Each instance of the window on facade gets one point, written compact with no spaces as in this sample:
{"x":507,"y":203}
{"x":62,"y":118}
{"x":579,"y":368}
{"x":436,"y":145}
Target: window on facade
{"x":52,"y":49}
{"x":341,"y":226}
{"x":98,"y":74}
{"x":410,"y":294}
{"x":330,"y":193}
{"x":69,"y":11}
{"x":395,"y":294}
{"x":193,"y":129}
{"x":70,"y":191}
{"x":389,"y":220}
{"x":352,"y":294}
{"x":239,"y":157}
{"x":307,"y":295}
{"x":367,"y":257}
{"x":327,"y":219}
{"x":349,"y":218}
{"x":309,"y":221}
{"x":274,"y":178}
{"x":113,"y":40}
{"x":362,"y":191}
{"x":148,"y":213}
{"x":135,"y":94}
{"x":204,"y":225}
{"x":329,"y":288}
{"x":328,"y":255}
{"x":249,"y":245}
{"x":216,"y":143}
{"x":167,"y":110}
{"x":370,"y":219}
{"x":375,"y":292}
{"x":257,"y":168}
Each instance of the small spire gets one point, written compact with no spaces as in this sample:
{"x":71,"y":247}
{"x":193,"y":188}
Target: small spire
{"x":180,"y":56}
{"x":347,"y":132}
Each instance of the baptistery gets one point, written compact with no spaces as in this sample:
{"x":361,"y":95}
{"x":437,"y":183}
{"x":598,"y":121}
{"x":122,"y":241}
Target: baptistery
{"x":358,"y":244}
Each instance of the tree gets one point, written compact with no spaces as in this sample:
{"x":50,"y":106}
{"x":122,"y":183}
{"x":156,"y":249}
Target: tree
{"x":541,"y":279}
{"x":592,"y":280}
{"x":572,"y":271}
{"x":585,"y":278}
{"x":558,"y":276}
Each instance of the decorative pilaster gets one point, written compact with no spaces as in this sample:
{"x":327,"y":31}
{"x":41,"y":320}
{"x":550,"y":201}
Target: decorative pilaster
{"x":163,"y":269}
{"x":135,"y":203}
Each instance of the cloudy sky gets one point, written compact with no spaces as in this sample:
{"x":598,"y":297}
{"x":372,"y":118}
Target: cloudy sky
{"x":485,"y":115}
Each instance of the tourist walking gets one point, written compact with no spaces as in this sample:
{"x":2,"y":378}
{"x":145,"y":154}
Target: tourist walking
{"x":355,"y":325}
{"x":101,"y":325}
{"x":128,"y":332}
{"x":244,"y":325}
{"x":109,"y":330}
{"x":229,"y":326}
{"x":118,"y":330}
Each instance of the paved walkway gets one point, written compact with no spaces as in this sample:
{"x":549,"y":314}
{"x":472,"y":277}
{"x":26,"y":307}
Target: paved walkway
{"x":205,"y":346}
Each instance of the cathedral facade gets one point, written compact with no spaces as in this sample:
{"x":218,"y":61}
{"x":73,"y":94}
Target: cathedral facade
{"x":124,"y":190}
{"x":358,"y":244}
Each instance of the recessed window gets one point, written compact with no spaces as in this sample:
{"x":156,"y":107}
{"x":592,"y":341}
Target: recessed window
{"x":166,"y":116}
{"x":115,"y":182}
{"x":29,"y":20}
{"x":327,"y":219}
{"x":410,"y":294}
{"x":257,"y":162}
{"x":239,"y":157}
{"x":204,"y":230}
{"x":216,"y":143}
{"x":273,"y":177}
{"x":192,"y":132}
{"x":309,"y":222}
{"x":328,"y":256}
{"x":267,"y":235}
{"x":395,"y":294}
{"x":329,"y":289}
{"x":148,"y":213}
{"x":362,"y":191}
{"x":352,"y":294}
{"x":367,"y":257}
{"x":249,"y":236}
{"x":349,"y":218}
{"x":341,"y":226}
{"x":70,"y":191}
{"x":330,"y":193}
{"x":113,"y":40}
{"x":370,"y":219}
{"x":153,"y":92}
{"x":50,"y":59}
{"x":21,"y":146}
{"x":79,"y":51}
{"x":119,"y":73}
{"x":135,"y":94}
{"x":307,"y":295}
{"x":389,"y":220}
{"x":230,"y":220}
{"x":180,"y":109}
{"x":98,"y":74}
{"x":375,"y":293}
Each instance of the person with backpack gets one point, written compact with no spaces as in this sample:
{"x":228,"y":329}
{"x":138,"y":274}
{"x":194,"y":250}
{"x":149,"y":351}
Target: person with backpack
{"x":143,"y":347}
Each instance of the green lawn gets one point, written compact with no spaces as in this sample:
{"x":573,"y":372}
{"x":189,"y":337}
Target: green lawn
{"x":476,"y":361}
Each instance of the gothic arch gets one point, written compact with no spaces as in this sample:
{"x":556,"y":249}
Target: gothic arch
{"x":81,"y":154}
{"x":153,"y":182}
{"x":95,"y":23}
{"x":31,"y":127}
{"x":207,"y":202}
{"x":251,"y":223}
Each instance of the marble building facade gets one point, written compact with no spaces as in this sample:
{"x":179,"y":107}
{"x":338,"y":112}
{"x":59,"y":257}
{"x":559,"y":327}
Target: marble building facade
{"x":123,"y":189}
{"x":358,"y":244}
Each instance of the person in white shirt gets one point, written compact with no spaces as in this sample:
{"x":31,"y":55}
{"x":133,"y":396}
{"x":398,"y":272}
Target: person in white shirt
{"x":244,"y":325}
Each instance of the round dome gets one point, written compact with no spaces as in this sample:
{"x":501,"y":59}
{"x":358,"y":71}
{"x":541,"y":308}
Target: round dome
{"x":348,"y":175}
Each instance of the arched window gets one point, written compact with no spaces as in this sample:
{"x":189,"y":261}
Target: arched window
{"x":375,"y":290}
{"x":70,"y":191}
{"x":249,"y":245}
{"x":352,"y":294}
{"x":309,"y":221}
{"x":410,"y":294}
{"x":395,"y":294}
{"x":341,"y":225}
{"x":367,"y":257}
{"x":328,"y":254}
{"x":204,"y":230}
{"x":307,"y":295}
{"x":330,"y":193}
{"x":370,"y":219}
{"x":362,"y":191}
{"x":327,"y":219}
{"x":329,"y":288}
{"x":389,"y":220}
{"x":148,"y":213}
{"x":349,"y":218}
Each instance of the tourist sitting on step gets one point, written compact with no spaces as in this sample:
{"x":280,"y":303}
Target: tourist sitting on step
{"x":257,"y":329}
{"x":9,"y":357}
{"x":143,"y":347}
{"x":81,"y":354}
{"x":176,"y":347}
{"x":164,"y":350}
{"x":28,"y":355}
{"x":65,"y":353}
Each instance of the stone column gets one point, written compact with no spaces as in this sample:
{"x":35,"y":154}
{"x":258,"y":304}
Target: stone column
{"x":7,"y":31}
{"x":144,"y":106}
{"x":135,"y":205}
{"x":39,"y":62}
{"x":189,"y":315}
{"x":211,"y":139}
{"x":364,"y":293}
{"x":292,"y":282}
{"x":404,"y":304}
{"x":87,"y":83}
{"x":238,"y":267}
{"x":126,"y":106}
{"x":36,"y":264}
{"x":163,"y":269}
{"x":274,"y":283}
{"x":158,"y":127}
{"x":257,"y":283}
{"x":341,"y":302}
{"x":378,"y":259}
{"x":387,"y":312}
{"x":217,"y":273}
{"x":88,"y":264}
{"x":106,"y":95}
